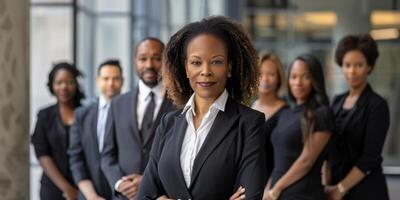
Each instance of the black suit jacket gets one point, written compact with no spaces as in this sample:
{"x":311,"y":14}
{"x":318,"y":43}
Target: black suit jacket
{"x":359,"y":143}
{"x":85,"y":158}
{"x":126,"y":150}
{"x":51,"y":139}
{"x":232,"y":155}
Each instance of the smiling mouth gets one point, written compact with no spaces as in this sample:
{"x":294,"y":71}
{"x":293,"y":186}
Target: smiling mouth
{"x":206,"y":84}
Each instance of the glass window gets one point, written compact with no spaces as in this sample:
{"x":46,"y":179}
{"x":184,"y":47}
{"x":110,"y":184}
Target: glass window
{"x":51,"y":1}
{"x":51,"y":41}
{"x":112,"y":41}
{"x":112,"y":6}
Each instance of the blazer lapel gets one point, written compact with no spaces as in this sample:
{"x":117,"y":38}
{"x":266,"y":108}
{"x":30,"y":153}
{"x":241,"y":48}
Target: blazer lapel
{"x":94,"y":111}
{"x":358,"y":105}
{"x":338,"y":106}
{"x":61,"y":129}
{"x":163,"y":109}
{"x":220,"y":128}
{"x":132,"y":106}
{"x":177,"y":139}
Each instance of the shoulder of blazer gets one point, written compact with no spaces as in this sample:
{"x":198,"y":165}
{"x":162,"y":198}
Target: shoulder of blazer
{"x":84,"y":110}
{"x":124,"y":97}
{"x":371,"y":98}
{"x":48,"y":112}
{"x":248,"y":114}
{"x":168,"y":120}
{"x":339,"y":97}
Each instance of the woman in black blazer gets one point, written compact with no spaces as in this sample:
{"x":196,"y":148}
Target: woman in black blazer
{"x":362,"y":121}
{"x":50,"y":139}
{"x":214,"y":145}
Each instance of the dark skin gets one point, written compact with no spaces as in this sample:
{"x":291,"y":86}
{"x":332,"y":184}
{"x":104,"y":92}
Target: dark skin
{"x":355,"y":70}
{"x":148,"y":61}
{"x":207,"y":69}
{"x":64,"y":88}
{"x":300,"y":85}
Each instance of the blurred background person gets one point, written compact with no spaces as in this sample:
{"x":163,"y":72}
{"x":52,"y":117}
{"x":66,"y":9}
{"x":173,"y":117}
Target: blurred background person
{"x":271,"y":88}
{"x":132,"y":120}
{"x":362,"y":120}
{"x":214,"y":144}
{"x":50,"y":137}
{"x":302,"y":134}
{"x":87,"y":135}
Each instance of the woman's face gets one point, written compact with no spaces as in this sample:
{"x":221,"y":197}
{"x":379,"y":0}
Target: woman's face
{"x":269,"y":79}
{"x":64,"y":86}
{"x":207,"y":66}
{"x":300,"y":81}
{"x":355,"y":68}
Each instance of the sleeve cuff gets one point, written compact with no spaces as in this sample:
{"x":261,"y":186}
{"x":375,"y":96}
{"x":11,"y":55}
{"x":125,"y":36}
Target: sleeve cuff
{"x":117,"y":185}
{"x":365,"y":170}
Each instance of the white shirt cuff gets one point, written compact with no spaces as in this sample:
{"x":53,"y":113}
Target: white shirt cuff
{"x":117,"y":184}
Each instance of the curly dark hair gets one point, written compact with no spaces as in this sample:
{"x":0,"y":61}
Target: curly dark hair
{"x":242,"y":57}
{"x":318,"y":96}
{"x":79,"y":95}
{"x":364,"y":43}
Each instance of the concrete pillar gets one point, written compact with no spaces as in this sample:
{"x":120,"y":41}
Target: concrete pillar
{"x":14,"y":100}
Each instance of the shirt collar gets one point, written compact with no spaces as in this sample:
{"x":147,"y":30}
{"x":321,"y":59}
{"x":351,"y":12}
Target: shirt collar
{"x":218,"y":104}
{"x":103,"y":102}
{"x":158,"y":90}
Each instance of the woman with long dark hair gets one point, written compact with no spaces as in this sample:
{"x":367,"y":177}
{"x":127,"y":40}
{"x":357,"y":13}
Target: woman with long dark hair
{"x":362,"y":121}
{"x":302,"y":134}
{"x":50,"y":138}
{"x":213,"y":146}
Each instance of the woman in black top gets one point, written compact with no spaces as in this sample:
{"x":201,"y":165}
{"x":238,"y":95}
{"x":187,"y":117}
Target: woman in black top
{"x":300,"y":138}
{"x":271,"y":88}
{"x":362,"y":121}
{"x":50,"y":139}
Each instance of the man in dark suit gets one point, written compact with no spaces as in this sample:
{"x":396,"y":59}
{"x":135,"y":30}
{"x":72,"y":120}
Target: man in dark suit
{"x":133,"y":118}
{"x":87,"y":135}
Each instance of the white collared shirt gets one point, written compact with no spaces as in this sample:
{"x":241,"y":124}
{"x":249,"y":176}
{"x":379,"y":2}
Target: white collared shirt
{"x":144,"y":99}
{"x":194,"y":139}
{"x":103,"y":107}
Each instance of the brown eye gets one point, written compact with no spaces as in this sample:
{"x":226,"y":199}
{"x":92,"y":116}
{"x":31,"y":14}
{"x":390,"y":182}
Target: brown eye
{"x":197,"y":63}
{"x":217,"y":62}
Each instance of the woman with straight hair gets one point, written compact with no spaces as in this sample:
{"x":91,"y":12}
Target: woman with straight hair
{"x":301,"y":136}
{"x":271,"y":88}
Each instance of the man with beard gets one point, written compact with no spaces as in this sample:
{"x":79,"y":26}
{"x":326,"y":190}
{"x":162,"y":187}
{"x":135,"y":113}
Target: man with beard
{"x":132,"y":120}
